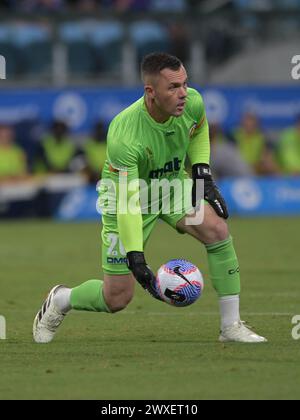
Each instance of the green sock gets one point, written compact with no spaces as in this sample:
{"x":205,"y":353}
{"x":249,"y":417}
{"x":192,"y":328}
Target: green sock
{"x":89,"y":297}
{"x":224,"y":268}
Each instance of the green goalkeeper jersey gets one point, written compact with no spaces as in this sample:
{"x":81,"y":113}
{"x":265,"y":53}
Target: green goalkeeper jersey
{"x":150,"y":150}
{"x":140,"y":148}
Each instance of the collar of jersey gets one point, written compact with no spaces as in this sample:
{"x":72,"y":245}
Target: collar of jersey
{"x":160,"y":126}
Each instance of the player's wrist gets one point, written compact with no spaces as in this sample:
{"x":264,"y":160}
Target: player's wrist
{"x":201,"y":171}
{"x":135,"y":258}
{"x":137,"y":264}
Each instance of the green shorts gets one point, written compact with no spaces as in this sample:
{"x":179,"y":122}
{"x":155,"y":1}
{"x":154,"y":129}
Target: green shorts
{"x":114,"y":259}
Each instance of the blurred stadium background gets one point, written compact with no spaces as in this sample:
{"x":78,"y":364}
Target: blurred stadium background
{"x":71,"y":67}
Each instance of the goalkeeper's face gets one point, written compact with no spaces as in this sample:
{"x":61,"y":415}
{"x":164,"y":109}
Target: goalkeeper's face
{"x":169,"y":92}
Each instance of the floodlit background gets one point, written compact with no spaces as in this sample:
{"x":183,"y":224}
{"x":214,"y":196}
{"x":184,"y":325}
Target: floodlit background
{"x":71,"y":66}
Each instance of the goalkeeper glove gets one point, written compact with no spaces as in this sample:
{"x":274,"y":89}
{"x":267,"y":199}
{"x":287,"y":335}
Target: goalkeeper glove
{"x":137,"y":265}
{"x":211,"y":192}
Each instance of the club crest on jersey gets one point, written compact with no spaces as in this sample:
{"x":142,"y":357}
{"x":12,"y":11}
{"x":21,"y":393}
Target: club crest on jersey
{"x":193,"y":129}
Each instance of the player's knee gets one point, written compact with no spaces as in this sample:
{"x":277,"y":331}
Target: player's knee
{"x":215,"y":232}
{"x":220,"y":231}
{"x":119,"y":302}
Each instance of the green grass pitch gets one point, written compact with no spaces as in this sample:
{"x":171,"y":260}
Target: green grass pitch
{"x":150,"y":350}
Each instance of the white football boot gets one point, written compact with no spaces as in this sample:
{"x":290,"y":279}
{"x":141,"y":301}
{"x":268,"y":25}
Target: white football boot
{"x":240,"y":333}
{"x":47,"y":320}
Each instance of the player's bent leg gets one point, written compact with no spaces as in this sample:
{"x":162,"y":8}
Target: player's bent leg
{"x":213,"y":229}
{"x":110,"y":296}
{"x":118,"y":291}
{"x":225,"y":274}
{"x":222,"y":259}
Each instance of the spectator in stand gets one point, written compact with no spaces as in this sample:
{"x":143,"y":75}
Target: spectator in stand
{"x":56,"y":151}
{"x":94,"y":151}
{"x":41,"y":5}
{"x":252,"y":145}
{"x":8,"y":4}
{"x":226,"y":160}
{"x":117,"y":5}
{"x":168,"y":5}
{"x":84,"y":6}
{"x":122,"y":6}
{"x":12,"y":158}
{"x":289,"y":149}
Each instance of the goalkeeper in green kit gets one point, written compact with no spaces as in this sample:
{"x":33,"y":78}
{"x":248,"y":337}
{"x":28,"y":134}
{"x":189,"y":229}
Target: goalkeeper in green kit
{"x":148,"y":142}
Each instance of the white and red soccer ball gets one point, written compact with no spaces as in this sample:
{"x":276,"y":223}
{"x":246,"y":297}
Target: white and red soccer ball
{"x":179,"y":282}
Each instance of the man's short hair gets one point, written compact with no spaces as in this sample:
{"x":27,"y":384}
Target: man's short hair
{"x":154,"y":63}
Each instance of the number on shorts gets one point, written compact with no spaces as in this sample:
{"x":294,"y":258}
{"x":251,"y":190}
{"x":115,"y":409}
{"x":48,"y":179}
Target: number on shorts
{"x":114,"y":240}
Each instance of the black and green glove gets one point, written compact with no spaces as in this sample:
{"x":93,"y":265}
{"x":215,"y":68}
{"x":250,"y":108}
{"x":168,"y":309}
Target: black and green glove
{"x":202,"y":171}
{"x":137,"y":265}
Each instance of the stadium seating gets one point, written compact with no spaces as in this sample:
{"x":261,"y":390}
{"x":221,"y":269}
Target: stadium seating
{"x":107,"y":39}
{"x":149,"y":36}
{"x":9,"y":51}
{"x":74,"y":35}
{"x":92,"y":46}
{"x":176,"y":6}
{"x":33,"y":42}
{"x":267,"y":4}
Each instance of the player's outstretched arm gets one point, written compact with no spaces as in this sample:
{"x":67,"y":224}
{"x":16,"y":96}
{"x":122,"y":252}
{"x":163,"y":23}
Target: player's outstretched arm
{"x":130,"y":225}
{"x":125,"y":173}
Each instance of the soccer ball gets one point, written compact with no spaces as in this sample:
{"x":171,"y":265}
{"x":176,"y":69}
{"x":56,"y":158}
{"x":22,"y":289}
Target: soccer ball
{"x":179,"y":282}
